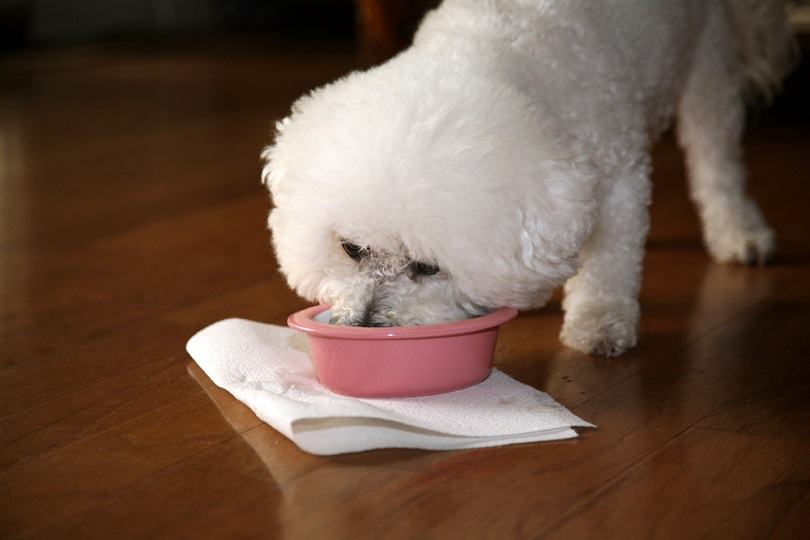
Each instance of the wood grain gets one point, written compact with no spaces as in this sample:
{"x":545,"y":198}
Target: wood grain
{"x":131,"y":215}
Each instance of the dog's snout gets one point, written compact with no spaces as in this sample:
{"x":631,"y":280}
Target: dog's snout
{"x":365,"y":323}
{"x":369,"y":323}
{"x":373,"y":310}
{"x":370,"y":320}
{"x":376,"y":323}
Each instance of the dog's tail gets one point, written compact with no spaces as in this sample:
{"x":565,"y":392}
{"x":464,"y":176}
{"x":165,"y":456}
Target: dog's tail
{"x":766,"y":50}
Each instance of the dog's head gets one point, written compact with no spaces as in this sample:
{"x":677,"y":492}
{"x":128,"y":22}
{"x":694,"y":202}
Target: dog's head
{"x":405,"y":196}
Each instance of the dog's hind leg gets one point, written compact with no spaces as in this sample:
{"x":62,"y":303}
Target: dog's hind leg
{"x":601,"y":301}
{"x":711,"y":116}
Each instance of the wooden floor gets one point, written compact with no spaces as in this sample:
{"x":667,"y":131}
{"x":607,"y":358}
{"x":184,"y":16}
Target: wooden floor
{"x":131,"y":215}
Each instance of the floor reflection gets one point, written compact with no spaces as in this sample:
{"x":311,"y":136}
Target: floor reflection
{"x":308,"y":483}
{"x":715,"y":340}
{"x":14,"y":207}
{"x":725,"y":291}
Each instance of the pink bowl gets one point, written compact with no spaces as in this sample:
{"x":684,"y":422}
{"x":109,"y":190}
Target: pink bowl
{"x":403,"y":360}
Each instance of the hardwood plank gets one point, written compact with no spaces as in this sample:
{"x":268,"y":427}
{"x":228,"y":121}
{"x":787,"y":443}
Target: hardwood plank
{"x":71,"y":317}
{"x":778,"y":510}
{"x":243,"y":501}
{"x":659,"y":496}
{"x":93,"y":468}
{"x":763,"y":414}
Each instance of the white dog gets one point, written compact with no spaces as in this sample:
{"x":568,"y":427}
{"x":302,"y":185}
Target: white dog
{"x":507,"y":152}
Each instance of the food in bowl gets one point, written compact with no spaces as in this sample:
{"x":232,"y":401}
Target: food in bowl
{"x":403,"y":360}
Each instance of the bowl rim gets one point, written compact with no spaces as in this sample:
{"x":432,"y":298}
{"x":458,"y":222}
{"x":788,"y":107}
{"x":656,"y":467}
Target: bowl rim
{"x":303,"y":321}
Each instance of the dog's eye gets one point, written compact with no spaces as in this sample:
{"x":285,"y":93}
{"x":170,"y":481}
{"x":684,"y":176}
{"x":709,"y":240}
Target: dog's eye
{"x":424,"y":269}
{"x":354,"y":251}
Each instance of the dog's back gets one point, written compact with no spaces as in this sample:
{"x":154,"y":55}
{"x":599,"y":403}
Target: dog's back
{"x":601,"y":53}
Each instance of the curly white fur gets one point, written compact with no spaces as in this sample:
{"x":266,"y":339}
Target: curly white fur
{"x":509,"y":146}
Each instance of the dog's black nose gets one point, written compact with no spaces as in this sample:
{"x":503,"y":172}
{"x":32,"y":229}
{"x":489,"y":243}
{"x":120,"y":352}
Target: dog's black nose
{"x":372,"y":323}
{"x":380,"y":324}
{"x":374,"y":320}
{"x":365,"y":323}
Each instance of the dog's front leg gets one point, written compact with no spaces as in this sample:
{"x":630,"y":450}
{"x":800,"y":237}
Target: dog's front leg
{"x":601,"y":301}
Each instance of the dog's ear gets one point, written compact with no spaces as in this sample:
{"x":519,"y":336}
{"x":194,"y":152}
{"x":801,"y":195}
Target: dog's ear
{"x":555,"y":225}
{"x":515,"y":243}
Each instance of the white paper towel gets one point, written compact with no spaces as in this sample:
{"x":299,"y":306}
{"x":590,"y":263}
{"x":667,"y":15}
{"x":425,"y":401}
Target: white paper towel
{"x":267,"y":367}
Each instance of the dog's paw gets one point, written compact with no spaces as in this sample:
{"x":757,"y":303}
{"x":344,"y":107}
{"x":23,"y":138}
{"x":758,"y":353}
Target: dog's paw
{"x":599,"y":328}
{"x":747,"y":246}
{"x":739,"y":235}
